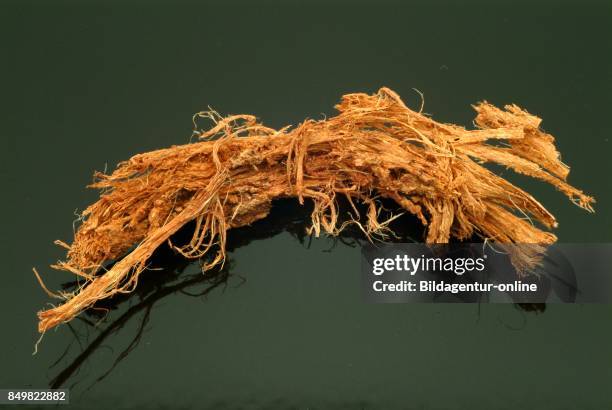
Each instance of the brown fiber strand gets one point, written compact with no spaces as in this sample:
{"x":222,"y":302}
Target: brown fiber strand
{"x":374,"y":147}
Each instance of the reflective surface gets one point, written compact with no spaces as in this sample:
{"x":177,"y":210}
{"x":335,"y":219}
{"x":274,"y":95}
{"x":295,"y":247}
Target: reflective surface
{"x":86,"y":86}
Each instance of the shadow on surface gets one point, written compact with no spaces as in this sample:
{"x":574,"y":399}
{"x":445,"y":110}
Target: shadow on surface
{"x":166,"y":276}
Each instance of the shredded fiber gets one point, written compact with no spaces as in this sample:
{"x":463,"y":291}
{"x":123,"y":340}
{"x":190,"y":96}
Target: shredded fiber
{"x":376,"y":147}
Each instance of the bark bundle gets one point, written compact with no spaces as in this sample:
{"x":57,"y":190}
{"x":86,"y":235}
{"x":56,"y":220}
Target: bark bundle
{"x":375,"y":147}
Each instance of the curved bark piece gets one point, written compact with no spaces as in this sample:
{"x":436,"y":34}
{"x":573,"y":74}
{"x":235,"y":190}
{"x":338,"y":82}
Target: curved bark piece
{"x":375,"y":146}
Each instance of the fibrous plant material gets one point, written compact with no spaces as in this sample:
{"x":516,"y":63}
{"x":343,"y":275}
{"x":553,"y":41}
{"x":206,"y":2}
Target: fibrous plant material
{"x":375,"y":147}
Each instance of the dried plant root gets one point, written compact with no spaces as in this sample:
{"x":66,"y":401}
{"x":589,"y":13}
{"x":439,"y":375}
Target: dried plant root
{"x":375,"y":146}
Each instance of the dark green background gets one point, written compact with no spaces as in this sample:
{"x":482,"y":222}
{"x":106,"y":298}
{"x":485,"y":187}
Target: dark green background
{"x":86,"y":84}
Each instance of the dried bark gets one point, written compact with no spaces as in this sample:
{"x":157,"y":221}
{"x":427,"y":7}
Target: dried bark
{"x":375,"y":147}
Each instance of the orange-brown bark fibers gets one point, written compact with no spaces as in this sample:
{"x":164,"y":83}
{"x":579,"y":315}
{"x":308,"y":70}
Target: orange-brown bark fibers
{"x":375,"y":147}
